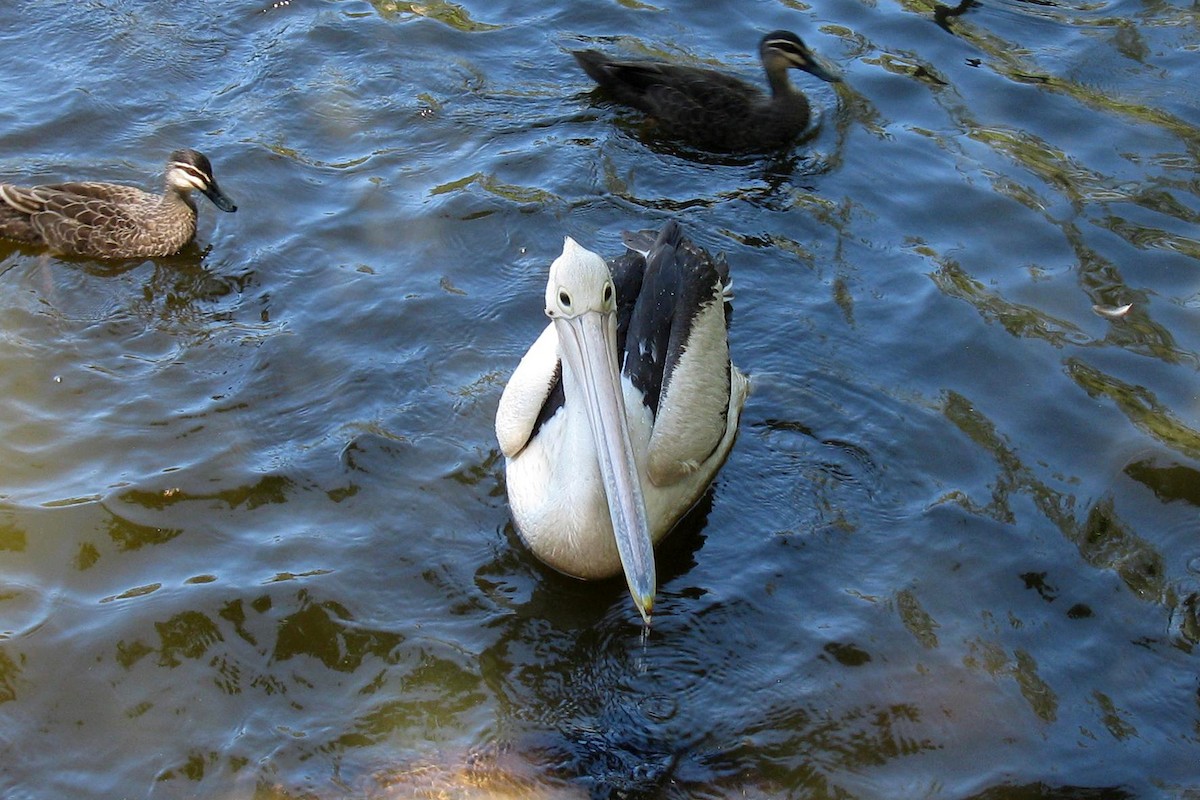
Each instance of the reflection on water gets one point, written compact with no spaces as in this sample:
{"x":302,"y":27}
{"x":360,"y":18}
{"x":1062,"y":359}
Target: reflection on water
{"x":253,"y":532}
{"x":1176,"y":482}
{"x":1141,"y":407}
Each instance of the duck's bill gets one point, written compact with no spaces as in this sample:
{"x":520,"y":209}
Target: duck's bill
{"x":589,"y":344}
{"x":219,"y":198}
{"x":825,"y":70}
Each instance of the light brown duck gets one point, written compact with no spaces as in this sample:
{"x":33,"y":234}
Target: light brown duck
{"x":110,"y":220}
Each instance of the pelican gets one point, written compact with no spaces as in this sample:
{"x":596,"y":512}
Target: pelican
{"x":618,"y":417}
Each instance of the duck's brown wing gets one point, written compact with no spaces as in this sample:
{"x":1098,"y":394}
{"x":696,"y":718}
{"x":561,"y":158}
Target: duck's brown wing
{"x":82,"y":218}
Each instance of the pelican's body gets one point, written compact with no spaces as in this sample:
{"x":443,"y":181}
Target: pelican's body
{"x":619,"y":416}
{"x":713,"y":110}
{"x":111,"y":220}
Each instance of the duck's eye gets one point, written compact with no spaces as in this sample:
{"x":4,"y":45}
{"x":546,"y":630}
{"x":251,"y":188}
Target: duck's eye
{"x":608,"y":292}
{"x":564,"y":299}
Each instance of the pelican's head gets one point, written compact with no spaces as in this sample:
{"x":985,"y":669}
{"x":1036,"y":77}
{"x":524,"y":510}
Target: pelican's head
{"x":582,"y":301}
{"x":579,"y":282}
{"x":189,"y":170}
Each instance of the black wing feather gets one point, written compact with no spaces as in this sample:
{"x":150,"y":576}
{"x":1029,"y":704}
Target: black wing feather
{"x":677,"y":281}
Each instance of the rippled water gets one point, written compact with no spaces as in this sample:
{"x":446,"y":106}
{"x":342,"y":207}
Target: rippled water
{"x":253,"y":534}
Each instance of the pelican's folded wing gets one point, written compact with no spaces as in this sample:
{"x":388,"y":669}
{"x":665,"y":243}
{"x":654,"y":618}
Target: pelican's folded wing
{"x":528,"y":391}
{"x":693,"y":410}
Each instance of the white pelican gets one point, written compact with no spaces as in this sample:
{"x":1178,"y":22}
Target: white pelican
{"x":620,"y":414}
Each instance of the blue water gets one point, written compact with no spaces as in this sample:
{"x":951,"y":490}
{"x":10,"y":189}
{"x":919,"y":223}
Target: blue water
{"x":253,"y":532}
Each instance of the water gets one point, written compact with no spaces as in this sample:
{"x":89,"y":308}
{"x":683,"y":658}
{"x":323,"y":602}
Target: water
{"x":253,"y":535}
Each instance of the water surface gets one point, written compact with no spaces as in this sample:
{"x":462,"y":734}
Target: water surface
{"x":253,"y":533}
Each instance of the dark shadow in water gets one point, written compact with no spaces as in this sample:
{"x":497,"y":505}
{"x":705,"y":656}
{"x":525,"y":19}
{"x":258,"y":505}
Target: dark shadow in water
{"x":190,"y":253}
{"x":12,"y":535}
{"x":943,"y":14}
{"x":175,"y":294}
{"x":561,"y":669}
{"x":778,"y":166}
{"x":327,"y":631}
{"x":1103,"y":539}
{"x":183,"y":288}
{"x":1170,"y":483}
{"x":266,"y":490}
{"x":1043,"y":791}
{"x":593,"y":702}
{"x":10,"y":675}
{"x":371,"y":453}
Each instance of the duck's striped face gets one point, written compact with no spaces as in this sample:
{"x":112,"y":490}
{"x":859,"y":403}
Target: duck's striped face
{"x":785,"y":47}
{"x":186,"y":177}
{"x":189,"y":171}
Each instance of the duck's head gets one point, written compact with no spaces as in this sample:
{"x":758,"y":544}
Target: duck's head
{"x":189,"y":170}
{"x":782,"y":50}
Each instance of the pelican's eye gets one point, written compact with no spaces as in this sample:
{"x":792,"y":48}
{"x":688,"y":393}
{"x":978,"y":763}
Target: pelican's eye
{"x":608,"y":293}
{"x":564,"y":301}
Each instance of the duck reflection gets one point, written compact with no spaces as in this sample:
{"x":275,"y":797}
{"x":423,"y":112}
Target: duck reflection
{"x":942,"y":14}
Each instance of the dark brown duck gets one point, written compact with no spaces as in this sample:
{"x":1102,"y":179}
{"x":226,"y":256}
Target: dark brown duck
{"x":713,"y":110}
